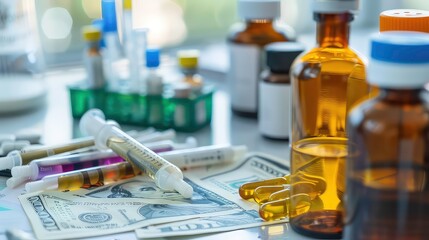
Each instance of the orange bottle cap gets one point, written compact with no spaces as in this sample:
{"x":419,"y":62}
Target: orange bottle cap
{"x":404,"y":20}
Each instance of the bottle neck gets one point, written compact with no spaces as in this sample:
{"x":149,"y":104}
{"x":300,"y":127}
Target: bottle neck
{"x":408,"y":96}
{"x":259,"y":23}
{"x":93,"y":45}
{"x":189,"y":71}
{"x":333,"y":29}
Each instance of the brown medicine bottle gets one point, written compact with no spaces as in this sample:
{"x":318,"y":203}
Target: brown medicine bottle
{"x":322,"y":93}
{"x":388,"y":163}
{"x":246,"y":42}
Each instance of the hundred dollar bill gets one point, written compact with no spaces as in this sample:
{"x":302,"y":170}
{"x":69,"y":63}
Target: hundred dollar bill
{"x":225,"y":181}
{"x":64,"y":215}
{"x":235,"y":221}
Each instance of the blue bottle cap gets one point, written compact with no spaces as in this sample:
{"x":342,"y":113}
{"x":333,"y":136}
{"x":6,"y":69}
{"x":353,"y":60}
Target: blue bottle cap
{"x":99,"y":23}
{"x":108,"y":12}
{"x":152,"y":57}
{"x":399,"y":60}
{"x":400,"y":47}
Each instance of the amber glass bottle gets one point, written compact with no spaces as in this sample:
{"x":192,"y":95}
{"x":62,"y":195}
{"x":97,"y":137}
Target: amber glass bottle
{"x":388,"y":163}
{"x":246,"y":42}
{"x":322,"y":94}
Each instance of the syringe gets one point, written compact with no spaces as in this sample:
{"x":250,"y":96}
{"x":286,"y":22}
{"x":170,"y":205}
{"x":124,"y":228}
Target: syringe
{"x":40,"y":168}
{"x":37,"y":169}
{"x":166,"y":175}
{"x":18,"y":158}
{"x":23,"y":157}
{"x":91,"y":177}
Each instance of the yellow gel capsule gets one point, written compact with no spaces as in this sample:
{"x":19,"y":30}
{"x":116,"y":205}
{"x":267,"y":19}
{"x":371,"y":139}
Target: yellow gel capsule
{"x":275,"y":210}
{"x":247,"y":190}
{"x":280,"y":195}
{"x":320,"y":182}
{"x":263,"y":193}
{"x":281,"y":209}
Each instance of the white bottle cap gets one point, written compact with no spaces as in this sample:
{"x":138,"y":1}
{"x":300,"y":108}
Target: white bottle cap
{"x":335,"y":6}
{"x":399,"y":60}
{"x":259,"y":9}
{"x":13,"y":182}
{"x":11,"y":160}
{"x":21,"y":171}
{"x":41,"y":185}
{"x":239,"y":151}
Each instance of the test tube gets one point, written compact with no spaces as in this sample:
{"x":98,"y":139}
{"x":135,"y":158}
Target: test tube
{"x":91,"y":177}
{"x":38,"y":169}
{"x":18,"y":158}
{"x":166,"y":175}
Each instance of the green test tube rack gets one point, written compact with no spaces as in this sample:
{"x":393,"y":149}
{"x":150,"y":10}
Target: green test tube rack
{"x":160,"y":111}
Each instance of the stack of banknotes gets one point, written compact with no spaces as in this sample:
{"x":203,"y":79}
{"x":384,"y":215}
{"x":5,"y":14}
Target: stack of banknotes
{"x":138,"y":205}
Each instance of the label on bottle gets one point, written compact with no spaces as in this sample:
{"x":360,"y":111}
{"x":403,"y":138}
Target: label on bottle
{"x":243,"y":76}
{"x":15,"y":30}
{"x":274,"y":109}
{"x":179,"y":116}
{"x":94,"y":70}
{"x":200,"y":112}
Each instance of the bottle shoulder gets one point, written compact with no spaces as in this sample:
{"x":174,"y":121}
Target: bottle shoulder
{"x":259,"y":36}
{"x":332,"y":54}
{"x":376,"y":115}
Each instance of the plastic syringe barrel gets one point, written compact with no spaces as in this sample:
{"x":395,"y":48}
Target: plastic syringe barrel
{"x":166,"y":175}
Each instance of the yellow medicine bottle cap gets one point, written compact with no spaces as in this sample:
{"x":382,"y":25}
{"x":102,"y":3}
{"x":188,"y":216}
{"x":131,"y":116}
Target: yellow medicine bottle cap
{"x":127,"y":4}
{"x":188,"y":58}
{"x":404,"y":20}
{"x":91,"y":33}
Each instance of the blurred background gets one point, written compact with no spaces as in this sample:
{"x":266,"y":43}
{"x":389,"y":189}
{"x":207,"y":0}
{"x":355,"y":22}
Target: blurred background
{"x":177,"y":23}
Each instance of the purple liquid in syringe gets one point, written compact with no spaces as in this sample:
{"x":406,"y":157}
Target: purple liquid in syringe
{"x":62,"y":168}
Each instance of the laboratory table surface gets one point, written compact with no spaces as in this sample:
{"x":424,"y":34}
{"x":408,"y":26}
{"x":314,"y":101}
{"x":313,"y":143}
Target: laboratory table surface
{"x":55,"y":123}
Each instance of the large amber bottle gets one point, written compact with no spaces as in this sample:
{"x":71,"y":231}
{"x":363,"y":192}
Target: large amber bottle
{"x":322,"y":93}
{"x":387,"y":166}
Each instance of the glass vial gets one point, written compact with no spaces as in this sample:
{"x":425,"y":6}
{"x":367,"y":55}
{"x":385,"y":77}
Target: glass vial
{"x":387,"y":186}
{"x":92,"y":58}
{"x":154,"y":89}
{"x":188,"y":63}
{"x":274,"y":90}
{"x":322,"y":94}
{"x":246,"y":42}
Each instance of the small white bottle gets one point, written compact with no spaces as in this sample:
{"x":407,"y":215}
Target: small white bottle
{"x":274,"y":90}
{"x":154,"y":88}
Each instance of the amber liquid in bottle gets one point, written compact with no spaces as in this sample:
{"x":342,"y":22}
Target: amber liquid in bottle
{"x":323,"y":92}
{"x":388,"y":185}
{"x":258,"y":33}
